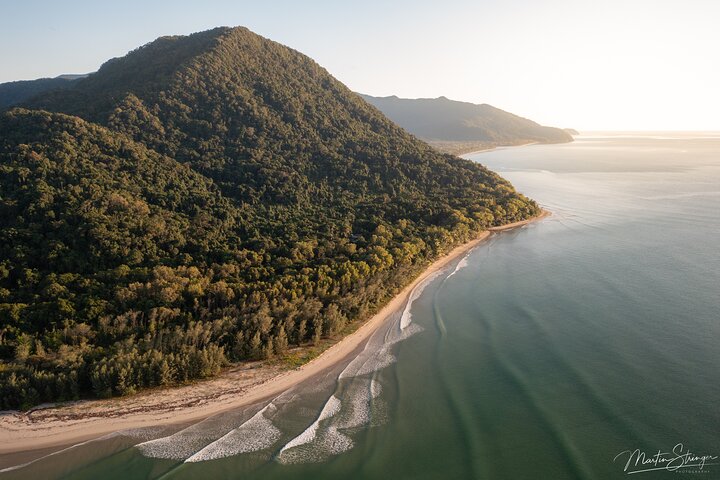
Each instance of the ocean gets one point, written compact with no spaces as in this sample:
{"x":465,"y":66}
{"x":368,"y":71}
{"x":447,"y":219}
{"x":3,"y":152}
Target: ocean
{"x":583,"y":346}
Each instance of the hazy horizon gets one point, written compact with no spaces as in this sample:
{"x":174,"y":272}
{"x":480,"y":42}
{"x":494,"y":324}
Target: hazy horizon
{"x":640,"y":66}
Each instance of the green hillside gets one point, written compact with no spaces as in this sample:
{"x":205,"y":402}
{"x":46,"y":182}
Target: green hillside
{"x":209,"y":199}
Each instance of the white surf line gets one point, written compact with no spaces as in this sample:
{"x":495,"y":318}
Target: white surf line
{"x":184,"y":443}
{"x":362,"y":358}
{"x":316,"y":442}
{"x":333,"y":404}
{"x":252,"y":427}
{"x":464,"y":262}
{"x":15,"y":467}
{"x":406,"y":317}
{"x":362,"y":393}
{"x":331,"y":407}
{"x":377,"y":353}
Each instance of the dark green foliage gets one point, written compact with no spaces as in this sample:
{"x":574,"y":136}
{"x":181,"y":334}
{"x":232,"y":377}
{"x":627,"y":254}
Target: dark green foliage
{"x":207,"y":199}
{"x":14,"y":93}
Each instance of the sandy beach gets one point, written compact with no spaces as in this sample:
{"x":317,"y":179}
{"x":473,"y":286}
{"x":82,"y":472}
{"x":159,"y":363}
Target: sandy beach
{"x":471,"y":148}
{"x":56,"y":426}
{"x":472,"y":151}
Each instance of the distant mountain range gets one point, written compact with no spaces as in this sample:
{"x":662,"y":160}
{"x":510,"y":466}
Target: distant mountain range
{"x":14,"y":93}
{"x":461,"y":126}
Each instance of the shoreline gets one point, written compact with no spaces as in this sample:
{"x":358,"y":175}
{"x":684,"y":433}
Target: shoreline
{"x":45,"y":428}
{"x":460,"y":148}
{"x":500,"y":147}
{"x":543,"y":214}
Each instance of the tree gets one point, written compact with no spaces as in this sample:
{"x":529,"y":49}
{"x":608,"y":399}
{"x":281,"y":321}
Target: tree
{"x":281,"y":342}
{"x":334,"y":319}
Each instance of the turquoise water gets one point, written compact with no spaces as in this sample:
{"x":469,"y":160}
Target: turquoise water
{"x":542,"y":354}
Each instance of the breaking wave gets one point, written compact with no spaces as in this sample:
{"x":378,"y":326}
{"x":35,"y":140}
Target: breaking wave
{"x":329,"y":433}
{"x":258,"y":433}
{"x":188,"y":441}
{"x":461,"y":264}
{"x":406,"y":317}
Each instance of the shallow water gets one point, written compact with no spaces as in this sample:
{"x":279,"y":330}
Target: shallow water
{"x":542,"y":354}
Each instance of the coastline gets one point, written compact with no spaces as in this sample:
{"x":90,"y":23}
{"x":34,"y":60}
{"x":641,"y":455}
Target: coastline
{"x":43,"y":428}
{"x":497,"y":147}
{"x":460,"y":148}
{"x":543,"y":214}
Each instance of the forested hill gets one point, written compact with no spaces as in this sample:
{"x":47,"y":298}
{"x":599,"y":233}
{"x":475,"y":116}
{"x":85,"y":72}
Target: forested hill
{"x":443,"y":121}
{"x":208,"y":199}
{"x":14,"y":93}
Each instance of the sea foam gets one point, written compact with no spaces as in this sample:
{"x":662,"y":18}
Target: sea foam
{"x":406,"y":317}
{"x":329,"y":433}
{"x":331,"y":407}
{"x":461,"y":264}
{"x":190,"y":440}
{"x":258,"y":433}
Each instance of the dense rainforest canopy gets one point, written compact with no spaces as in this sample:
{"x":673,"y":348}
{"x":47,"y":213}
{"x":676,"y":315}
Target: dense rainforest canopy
{"x":209,"y":199}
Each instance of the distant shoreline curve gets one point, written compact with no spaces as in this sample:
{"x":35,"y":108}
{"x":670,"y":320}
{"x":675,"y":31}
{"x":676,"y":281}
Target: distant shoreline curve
{"x":499,"y":147}
{"x":89,"y":419}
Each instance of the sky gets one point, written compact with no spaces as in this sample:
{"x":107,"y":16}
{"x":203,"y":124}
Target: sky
{"x":589,"y":65}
